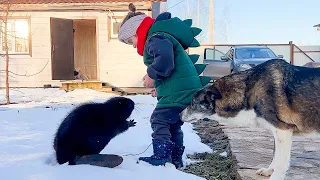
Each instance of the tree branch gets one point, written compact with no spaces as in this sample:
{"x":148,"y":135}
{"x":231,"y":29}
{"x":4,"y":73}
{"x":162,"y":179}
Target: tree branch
{"x":27,"y":75}
{"x":12,"y":35}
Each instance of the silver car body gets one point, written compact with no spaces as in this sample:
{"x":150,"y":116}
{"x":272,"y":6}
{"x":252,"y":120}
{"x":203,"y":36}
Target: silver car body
{"x":238,"y":58}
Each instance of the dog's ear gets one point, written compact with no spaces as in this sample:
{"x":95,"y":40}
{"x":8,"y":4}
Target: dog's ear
{"x":213,"y":93}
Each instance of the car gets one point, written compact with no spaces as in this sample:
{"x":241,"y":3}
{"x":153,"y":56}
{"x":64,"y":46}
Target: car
{"x":238,"y":58}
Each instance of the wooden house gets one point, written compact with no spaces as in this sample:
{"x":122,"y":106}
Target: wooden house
{"x":49,"y":40}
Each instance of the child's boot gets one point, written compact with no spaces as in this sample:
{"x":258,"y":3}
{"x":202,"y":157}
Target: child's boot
{"x":162,"y":151}
{"x":177,"y":156}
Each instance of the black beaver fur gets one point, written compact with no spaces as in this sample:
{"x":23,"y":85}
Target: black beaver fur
{"x":90,"y":127}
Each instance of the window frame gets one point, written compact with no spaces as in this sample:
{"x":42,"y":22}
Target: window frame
{"x":14,"y":18}
{"x":113,"y":19}
{"x":230,"y":54}
{"x":113,"y":35}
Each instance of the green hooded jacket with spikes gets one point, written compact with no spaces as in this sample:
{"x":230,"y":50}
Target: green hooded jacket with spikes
{"x":184,"y":81}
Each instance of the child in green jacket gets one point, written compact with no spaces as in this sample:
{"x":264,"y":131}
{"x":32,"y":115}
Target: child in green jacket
{"x":171,"y":71}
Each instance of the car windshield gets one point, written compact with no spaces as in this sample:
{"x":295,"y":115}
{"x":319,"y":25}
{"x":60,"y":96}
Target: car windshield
{"x":248,"y":53}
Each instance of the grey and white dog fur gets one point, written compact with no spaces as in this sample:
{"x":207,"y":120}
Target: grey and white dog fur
{"x":274,"y":95}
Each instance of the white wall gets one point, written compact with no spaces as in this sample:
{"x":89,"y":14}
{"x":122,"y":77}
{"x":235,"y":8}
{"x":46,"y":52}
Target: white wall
{"x":120,"y":64}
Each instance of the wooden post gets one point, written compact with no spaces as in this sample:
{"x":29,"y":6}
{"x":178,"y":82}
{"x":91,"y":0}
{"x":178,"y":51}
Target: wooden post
{"x":211,"y":9}
{"x":291,"y":52}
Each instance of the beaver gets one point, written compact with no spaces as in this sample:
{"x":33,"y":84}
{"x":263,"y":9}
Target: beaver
{"x":87,"y":129}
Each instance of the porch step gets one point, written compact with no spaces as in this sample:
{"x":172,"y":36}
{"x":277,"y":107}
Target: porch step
{"x":102,"y":87}
{"x":136,"y":90}
{"x":106,"y":89}
{"x":95,"y":85}
{"x":109,"y":89}
{"x":78,"y":84}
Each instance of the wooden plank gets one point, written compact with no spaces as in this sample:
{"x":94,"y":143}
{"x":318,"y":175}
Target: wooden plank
{"x":137,"y":90}
{"x":106,"y":89}
{"x":112,"y":92}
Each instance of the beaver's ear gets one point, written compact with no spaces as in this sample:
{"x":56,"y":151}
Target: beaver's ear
{"x":213,"y":93}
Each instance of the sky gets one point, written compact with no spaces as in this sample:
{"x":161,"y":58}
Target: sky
{"x":255,"y":21}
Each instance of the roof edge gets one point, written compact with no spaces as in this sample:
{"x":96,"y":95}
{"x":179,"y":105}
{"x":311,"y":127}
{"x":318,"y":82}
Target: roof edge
{"x":75,"y":1}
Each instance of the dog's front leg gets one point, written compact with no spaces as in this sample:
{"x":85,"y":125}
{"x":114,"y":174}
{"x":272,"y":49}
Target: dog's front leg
{"x":268,"y":171}
{"x":283,"y":144}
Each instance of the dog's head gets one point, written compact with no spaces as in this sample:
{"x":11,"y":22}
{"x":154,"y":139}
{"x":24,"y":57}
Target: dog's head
{"x":203,"y":104}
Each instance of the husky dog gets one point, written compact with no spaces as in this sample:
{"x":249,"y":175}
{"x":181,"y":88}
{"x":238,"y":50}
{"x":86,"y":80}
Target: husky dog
{"x":274,"y":95}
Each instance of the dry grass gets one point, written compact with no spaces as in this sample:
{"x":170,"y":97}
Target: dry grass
{"x":213,"y":166}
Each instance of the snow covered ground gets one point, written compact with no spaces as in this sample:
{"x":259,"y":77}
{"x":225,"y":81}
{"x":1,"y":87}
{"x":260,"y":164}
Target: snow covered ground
{"x":27,"y":129}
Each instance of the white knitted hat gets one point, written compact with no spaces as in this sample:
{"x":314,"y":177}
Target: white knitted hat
{"x":129,"y":28}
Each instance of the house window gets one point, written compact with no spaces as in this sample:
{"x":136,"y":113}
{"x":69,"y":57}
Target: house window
{"x":115,"y":26}
{"x":17,"y":36}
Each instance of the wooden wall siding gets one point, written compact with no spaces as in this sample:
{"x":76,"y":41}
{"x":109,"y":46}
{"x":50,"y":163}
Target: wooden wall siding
{"x":121,"y":65}
{"x":117,"y":63}
{"x":85,"y":48}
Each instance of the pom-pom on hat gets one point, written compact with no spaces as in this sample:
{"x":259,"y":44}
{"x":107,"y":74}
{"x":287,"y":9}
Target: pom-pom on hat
{"x":130,"y":23}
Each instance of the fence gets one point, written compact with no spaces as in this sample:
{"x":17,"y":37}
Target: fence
{"x":297,"y":55}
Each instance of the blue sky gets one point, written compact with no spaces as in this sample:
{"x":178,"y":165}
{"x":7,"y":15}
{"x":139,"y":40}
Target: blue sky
{"x":257,"y":21}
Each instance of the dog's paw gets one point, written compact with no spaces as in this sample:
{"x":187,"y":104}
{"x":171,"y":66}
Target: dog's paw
{"x":276,"y":175}
{"x":265,"y":172}
{"x":132,"y":123}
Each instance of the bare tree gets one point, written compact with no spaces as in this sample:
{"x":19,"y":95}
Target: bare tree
{"x":6,"y":14}
{"x":5,"y":9}
{"x":223,"y":23}
{"x":197,"y":11}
